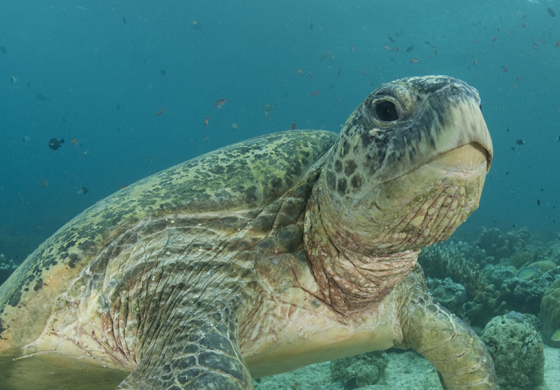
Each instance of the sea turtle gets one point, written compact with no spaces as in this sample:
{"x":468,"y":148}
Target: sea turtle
{"x":261,"y":257}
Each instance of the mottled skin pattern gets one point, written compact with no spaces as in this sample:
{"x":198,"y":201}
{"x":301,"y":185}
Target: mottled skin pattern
{"x":262,"y":257}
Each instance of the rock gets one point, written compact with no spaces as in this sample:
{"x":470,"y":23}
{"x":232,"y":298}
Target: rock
{"x":517,"y":351}
{"x":359,"y":371}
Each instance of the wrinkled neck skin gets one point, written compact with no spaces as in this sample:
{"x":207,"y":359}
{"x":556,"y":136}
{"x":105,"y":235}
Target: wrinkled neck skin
{"x":352,"y":274}
{"x":361,"y":249}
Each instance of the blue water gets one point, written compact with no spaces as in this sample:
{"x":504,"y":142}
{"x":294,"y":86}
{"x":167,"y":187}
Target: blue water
{"x":83,"y":57}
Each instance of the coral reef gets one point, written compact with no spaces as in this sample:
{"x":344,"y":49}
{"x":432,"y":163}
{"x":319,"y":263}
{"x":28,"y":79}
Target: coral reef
{"x":453,"y":260}
{"x":517,"y":351}
{"x":361,"y":370}
{"x":6,"y":268}
{"x":499,"y":245}
{"x":550,"y":314}
{"x":449,"y":294}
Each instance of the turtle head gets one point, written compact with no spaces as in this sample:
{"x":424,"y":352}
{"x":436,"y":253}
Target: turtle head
{"x":408,"y":167}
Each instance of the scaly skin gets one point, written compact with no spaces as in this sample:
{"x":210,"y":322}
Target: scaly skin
{"x":457,"y":353}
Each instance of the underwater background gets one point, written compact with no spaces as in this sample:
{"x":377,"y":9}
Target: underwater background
{"x":134,"y":87}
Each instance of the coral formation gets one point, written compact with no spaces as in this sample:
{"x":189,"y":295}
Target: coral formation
{"x":499,"y":245}
{"x":517,"y":351}
{"x":449,"y":294}
{"x":361,"y":370}
{"x":6,"y":268}
{"x":550,"y":314}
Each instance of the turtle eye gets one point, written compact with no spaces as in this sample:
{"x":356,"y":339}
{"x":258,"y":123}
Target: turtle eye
{"x":387,"y":111}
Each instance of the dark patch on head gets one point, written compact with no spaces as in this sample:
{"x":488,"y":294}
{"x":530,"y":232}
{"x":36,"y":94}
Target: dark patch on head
{"x":350,"y":167}
{"x":74,"y":260}
{"x":38,"y":285}
{"x":341,"y":186}
{"x":338,"y":166}
{"x":315,"y":303}
{"x":366,"y":138}
{"x":356,"y":181}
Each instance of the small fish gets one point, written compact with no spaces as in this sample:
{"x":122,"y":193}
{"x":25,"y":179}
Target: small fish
{"x":409,"y":49}
{"x":300,"y":71}
{"x":391,"y":38}
{"x":163,"y":72}
{"x":44,"y":183}
{"x":538,"y":202}
{"x":504,"y":68}
{"x":311,"y":75}
{"x":206,"y":121}
{"x":494,"y":39}
{"x":339,"y":71}
{"x":311,"y":26}
{"x":556,"y":335}
{"x":474,"y":62}
{"x":3,"y":50}
{"x":364,"y":72}
{"x":520,"y":142}
{"x":123,"y":20}
{"x":524,"y":25}
{"x":121,"y":187}
{"x":395,"y":49}
{"x":351,"y":48}
{"x":196,"y":26}
{"x":528,"y":273}
{"x":26,"y":138}
{"x":293,"y":126}
{"x":387,"y":48}
{"x":314,"y":93}
{"x":414,"y":61}
{"x":558,"y":138}
{"x":542,"y":40}
{"x":268,"y":107}
{"x":325,"y":55}
{"x":54,"y":144}
{"x":38,"y":96}
{"x":13,"y":79}
{"x":82,"y":190}
{"x":220,"y":103}
{"x":535,"y":45}
{"x":551,"y":12}
{"x":558,"y":43}
{"x":474,"y":41}
{"x":513,"y":148}
{"x":75,"y":141}
{"x":235,"y":126}
{"x":160,"y":112}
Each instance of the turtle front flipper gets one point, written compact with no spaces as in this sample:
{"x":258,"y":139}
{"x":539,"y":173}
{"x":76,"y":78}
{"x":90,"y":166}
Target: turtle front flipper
{"x":202,"y":353}
{"x":457,"y":353}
